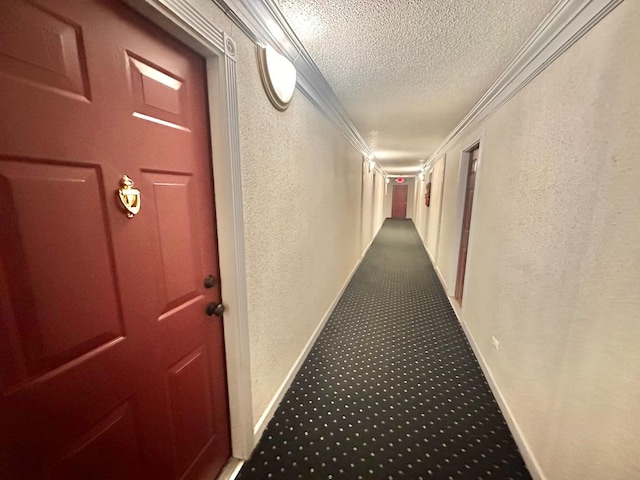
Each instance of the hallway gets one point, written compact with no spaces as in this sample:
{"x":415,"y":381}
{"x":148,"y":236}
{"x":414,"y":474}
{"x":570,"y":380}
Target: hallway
{"x":232,"y":233}
{"x":391,"y":388}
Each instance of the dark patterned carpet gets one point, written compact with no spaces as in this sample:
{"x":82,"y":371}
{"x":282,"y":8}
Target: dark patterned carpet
{"x":391,"y":389}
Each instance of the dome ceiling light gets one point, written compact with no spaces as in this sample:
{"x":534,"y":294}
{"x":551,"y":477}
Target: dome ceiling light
{"x":278,"y":77}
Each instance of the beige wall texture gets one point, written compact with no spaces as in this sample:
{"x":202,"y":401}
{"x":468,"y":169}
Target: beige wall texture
{"x":553,"y":269}
{"x":386,"y":202}
{"x":379,"y":202}
{"x":367,"y":214}
{"x":306,"y":218}
{"x":301,"y":184}
{"x":435,"y":205}
{"x":411,"y":194}
{"x":421,"y":214}
{"x":427,"y":219}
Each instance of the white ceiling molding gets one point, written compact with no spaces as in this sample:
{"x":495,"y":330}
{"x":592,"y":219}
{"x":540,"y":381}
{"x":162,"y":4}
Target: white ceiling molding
{"x":565,"y":25}
{"x":263,"y":22}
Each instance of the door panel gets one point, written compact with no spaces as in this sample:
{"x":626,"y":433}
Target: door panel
{"x":109,"y":367}
{"x":159,"y":96}
{"x":192,"y":415}
{"x":36,"y":197}
{"x":180,"y":253}
{"x":116,"y":433}
{"x":42,"y":49}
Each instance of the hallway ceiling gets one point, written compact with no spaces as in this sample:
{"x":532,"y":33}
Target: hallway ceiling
{"x":408,"y":71}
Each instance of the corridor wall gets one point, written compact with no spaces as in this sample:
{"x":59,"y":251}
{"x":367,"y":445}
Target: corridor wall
{"x":301,"y":188}
{"x":427,"y":219}
{"x":301,"y":191}
{"x":379,"y":202}
{"x":554,"y":256}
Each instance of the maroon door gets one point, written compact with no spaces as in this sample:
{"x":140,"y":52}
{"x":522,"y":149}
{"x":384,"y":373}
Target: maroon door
{"x":109,"y":366}
{"x":399,"y":201}
{"x":466,"y":222}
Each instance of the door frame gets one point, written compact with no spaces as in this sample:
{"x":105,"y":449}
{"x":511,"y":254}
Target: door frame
{"x":182,"y":20}
{"x":469,"y":144}
{"x":406,"y":205}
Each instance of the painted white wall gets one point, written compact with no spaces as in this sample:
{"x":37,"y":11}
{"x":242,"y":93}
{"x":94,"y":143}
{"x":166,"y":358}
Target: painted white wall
{"x":427,"y":219}
{"x":301,"y":185}
{"x":373,"y":198}
{"x":386,"y":205}
{"x":420,"y":211}
{"x":411,"y":195}
{"x":435,"y":205}
{"x":379,"y":203}
{"x":554,"y":256}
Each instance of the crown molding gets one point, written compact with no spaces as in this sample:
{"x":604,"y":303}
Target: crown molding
{"x":262,"y":22}
{"x":567,"y":22}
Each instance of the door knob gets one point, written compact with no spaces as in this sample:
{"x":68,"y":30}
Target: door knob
{"x":210,"y":281}
{"x":214,"y":308}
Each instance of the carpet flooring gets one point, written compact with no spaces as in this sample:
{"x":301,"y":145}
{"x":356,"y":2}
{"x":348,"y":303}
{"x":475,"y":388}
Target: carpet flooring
{"x":391,"y":389}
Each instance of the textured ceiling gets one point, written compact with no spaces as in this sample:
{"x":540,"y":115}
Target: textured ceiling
{"x":408,"y":71}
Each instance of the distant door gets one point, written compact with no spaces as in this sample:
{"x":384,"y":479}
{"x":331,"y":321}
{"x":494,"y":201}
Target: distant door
{"x":399,"y":201}
{"x":109,"y":366}
{"x":466,"y":221}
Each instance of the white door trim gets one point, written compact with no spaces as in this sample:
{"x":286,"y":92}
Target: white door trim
{"x":183,"y":21}
{"x":469,"y":145}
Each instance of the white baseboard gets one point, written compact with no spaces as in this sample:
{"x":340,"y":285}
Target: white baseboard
{"x":231,"y":469}
{"x":419,"y":233}
{"x":264,"y":419}
{"x":525,"y":449}
{"x":527,"y":454}
{"x":433,"y":262}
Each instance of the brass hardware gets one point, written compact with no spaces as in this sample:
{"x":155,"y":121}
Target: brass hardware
{"x":214,"y":308}
{"x":129,"y":196}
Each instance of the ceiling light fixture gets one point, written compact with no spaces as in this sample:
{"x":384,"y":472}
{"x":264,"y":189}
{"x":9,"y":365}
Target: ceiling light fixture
{"x":278,"y":77}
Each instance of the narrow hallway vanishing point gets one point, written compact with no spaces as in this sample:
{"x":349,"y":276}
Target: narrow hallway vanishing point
{"x":391,"y":389}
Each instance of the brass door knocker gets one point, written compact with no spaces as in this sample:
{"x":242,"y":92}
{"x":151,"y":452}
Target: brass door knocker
{"x":129,"y":196}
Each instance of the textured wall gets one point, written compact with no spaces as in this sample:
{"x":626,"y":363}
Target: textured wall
{"x":433,"y":227}
{"x":366,"y":214}
{"x":386,"y":204}
{"x":301,"y":190}
{"x":421,"y":216}
{"x":554,"y":261}
{"x":411,"y":195}
{"x":379,"y":203}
